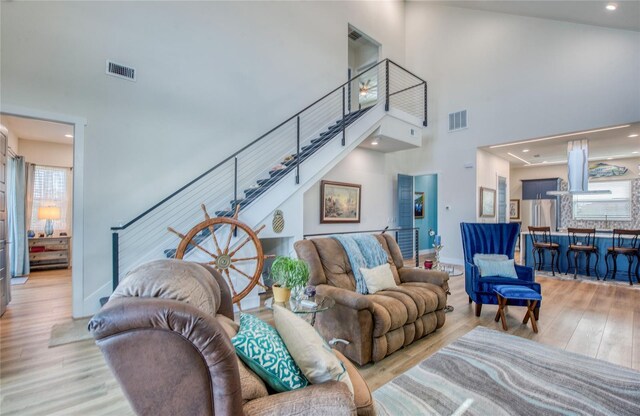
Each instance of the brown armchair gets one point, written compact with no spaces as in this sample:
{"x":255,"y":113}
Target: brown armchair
{"x":379,"y":324}
{"x":172,"y":356}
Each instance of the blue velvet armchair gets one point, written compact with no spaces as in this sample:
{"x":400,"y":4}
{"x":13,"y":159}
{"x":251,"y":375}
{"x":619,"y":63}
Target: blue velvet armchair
{"x":492,"y":239}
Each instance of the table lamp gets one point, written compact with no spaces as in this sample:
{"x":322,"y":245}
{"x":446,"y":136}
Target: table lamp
{"x":49,"y":214}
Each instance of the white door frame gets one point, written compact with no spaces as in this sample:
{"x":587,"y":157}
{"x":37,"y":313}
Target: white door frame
{"x":77,"y":233}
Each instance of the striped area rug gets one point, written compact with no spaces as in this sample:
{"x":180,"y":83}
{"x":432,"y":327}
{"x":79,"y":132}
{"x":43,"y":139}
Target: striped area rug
{"x":487,"y":372}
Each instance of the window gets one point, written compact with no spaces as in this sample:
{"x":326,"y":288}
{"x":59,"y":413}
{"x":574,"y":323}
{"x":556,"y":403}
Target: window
{"x":51,"y":189}
{"x":614,"y":206}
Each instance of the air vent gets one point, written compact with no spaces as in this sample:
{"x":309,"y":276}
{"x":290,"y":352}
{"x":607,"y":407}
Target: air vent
{"x":121,"y":71}
{"x":458,"y":120}
{"x":354,"y":35}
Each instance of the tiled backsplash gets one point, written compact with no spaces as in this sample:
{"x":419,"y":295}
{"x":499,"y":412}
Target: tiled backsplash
{"x":566,"y":212}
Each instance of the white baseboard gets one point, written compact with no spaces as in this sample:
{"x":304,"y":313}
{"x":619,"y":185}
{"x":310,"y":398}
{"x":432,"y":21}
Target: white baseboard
{"x":426,"y":251}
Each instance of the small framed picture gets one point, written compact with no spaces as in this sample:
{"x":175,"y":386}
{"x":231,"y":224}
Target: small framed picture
{"x":418,"y":204}
{"x":487,"y":202}
{"x":339,"y":202}
{"x":514,"y":209}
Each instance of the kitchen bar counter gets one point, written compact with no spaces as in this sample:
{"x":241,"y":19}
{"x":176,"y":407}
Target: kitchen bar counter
{"x":603,"y":240}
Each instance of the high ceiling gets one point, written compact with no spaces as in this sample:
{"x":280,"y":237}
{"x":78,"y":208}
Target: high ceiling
{"x":626,"y":16}
{"x":44,"y":131}
{"x":614,"y":143}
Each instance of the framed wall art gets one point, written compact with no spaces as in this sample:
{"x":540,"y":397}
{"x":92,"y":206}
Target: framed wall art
{"x":487,"y":202}
{"x":514,"y":209}
{"x":418,"y":204}
{"x":339,"y":202}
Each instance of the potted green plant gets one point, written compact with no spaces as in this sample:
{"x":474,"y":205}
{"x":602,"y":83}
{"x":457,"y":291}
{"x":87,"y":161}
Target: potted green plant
{"x":288,"y":273}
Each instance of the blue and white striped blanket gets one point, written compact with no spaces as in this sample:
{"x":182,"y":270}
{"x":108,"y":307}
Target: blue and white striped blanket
{"x":363,"y":250}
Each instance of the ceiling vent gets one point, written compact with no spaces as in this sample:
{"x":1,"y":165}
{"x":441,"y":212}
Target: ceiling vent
{"x":458,"y":120}
{"x":121,"y":71}
{"x":354,"y":34}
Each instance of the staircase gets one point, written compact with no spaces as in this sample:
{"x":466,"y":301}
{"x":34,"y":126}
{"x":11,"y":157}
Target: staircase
{"x":321,"y":133}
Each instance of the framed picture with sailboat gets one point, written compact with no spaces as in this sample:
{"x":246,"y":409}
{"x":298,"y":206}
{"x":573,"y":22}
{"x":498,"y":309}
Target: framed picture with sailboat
{"x":339,"y":202}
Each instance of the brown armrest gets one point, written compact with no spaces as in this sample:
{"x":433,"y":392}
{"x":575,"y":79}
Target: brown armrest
{"x":330,"y":398}
{"x":426,"y":276}
{"x":127,"y":326}
{"x":346,"y":297}
{"x":361,"y":392}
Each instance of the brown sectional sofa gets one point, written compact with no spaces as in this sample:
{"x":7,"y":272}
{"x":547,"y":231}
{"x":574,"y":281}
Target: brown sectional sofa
{"x":379,"y":324}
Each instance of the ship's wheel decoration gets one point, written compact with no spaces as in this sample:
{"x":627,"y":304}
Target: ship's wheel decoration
{"x":233,"y":248}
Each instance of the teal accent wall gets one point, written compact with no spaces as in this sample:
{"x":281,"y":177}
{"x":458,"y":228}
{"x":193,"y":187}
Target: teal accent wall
{"x":429,"y":185}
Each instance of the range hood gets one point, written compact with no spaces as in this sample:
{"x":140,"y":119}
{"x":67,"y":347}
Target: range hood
{"x":578,"y":175}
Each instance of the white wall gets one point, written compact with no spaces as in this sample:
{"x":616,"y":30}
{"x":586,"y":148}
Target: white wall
{"x":489,"y":167}
{"x":47,"y":153}
{"x":13,"y":141}
{"x":519,"y":78}
{"x":366,"y":168}
{"x":197,"y":63}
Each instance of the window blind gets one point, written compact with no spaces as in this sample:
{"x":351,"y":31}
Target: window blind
{"x":50,"y":189}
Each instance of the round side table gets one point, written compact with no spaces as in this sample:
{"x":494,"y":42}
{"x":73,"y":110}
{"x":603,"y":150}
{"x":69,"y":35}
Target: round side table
{"x":323,"y":303}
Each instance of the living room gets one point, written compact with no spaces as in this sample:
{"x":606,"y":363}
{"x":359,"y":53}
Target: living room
{"x":518,"y":73}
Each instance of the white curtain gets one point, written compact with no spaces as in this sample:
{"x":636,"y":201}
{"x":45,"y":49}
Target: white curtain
{"x":30,"y":169}
{"x":51,"y":187}
{"x":16,"y":197}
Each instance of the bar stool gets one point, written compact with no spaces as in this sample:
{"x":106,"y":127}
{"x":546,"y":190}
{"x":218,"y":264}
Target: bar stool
{"x":541,"y":240}
{"x":624,"y":242}
{"x":582,"y":240}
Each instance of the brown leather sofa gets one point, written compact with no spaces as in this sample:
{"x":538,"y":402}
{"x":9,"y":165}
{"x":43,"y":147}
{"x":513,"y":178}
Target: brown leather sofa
{"x":379,"y":324}
{"x":170,"y":350}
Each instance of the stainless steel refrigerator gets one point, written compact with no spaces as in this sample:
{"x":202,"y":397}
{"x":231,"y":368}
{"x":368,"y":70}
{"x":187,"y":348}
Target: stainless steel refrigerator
{"x":540,"y":213}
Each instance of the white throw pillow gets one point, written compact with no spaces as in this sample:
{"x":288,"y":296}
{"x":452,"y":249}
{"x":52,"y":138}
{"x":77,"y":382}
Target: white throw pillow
{"x":378,"y":278}
{"x":311,"y":353}
{"x":492,"y":268}
{"x":489,"y":257}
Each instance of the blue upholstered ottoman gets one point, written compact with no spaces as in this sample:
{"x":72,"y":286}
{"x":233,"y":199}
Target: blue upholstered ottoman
{"x":507,"y":292}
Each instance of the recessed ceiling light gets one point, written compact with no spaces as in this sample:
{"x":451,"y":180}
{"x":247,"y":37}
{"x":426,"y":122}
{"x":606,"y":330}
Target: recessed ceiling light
{"x":374,"y":143}
{"x":525,"y":150}
{"x":633,"y":135}
{"x":69,"y":136}
{"x":519,"y":158}
{"x":609,"y":158}
{"x":611,"y":6}
{"x":635,"y":153}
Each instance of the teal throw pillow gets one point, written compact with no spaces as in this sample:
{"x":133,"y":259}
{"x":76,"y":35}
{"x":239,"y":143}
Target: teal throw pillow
{"x":261,"y":348}
{"x":504,"y":268}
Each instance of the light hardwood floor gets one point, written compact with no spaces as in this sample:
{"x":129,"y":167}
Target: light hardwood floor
{"x":598,"y":320}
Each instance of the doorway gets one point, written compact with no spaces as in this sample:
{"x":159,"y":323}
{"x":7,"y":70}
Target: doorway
{"x":41,"y":155}
{"x":426,"y":191}
{"x":363,"y":53}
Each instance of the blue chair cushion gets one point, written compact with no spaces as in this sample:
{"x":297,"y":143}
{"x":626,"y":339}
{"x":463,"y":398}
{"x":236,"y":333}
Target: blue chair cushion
{"x":516,"y":292}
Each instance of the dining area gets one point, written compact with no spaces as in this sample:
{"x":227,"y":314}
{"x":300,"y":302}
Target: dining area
{"x":603,"y":254}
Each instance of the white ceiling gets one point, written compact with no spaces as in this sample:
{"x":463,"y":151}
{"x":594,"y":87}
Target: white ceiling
{"x":626,"y":17}
{"x":44,"y":131}
{"x":614,"y":143}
